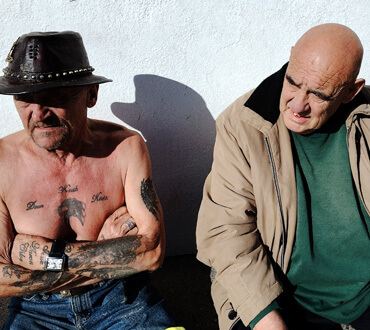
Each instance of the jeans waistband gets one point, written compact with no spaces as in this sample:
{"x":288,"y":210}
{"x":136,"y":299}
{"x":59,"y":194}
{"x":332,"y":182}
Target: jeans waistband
{"x":76,"y":291}
{"x":133,"y":282}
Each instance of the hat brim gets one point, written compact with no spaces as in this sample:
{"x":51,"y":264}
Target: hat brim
{"x":9,"y":87}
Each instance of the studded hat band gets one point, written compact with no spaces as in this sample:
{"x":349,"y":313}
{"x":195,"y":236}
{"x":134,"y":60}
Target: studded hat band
{"x":44,"y":76}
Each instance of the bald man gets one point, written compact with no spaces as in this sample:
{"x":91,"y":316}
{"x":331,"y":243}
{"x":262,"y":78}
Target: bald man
{"x":284,"y":221}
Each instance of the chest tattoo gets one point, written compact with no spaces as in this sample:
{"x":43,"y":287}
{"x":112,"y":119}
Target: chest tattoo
{"x":72,"y":207}
{"x":98,"y":198}
{"x":33,"y":206}
{"x":67,"y":189}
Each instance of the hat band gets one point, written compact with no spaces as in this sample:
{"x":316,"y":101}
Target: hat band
{"x":45,"y":76}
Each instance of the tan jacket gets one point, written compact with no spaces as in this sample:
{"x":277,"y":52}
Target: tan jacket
{"x":247,"y":219}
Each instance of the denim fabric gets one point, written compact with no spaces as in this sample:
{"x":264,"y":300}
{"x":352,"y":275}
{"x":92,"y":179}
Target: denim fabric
{"x":113,"y":304}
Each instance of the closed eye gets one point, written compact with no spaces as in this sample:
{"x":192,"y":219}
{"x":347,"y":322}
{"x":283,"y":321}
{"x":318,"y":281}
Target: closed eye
{"x":322,"y":96}
{"x":291,"y":81}
{"x":318,"y":94}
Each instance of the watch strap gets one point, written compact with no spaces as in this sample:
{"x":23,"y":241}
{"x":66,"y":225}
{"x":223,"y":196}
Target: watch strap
{"x":57,"y":249}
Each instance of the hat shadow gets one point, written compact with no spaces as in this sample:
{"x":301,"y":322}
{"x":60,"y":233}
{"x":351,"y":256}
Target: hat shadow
{"x":180,"y":133}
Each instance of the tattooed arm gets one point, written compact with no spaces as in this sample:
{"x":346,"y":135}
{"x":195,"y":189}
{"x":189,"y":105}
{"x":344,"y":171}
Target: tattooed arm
{"x":121,"y":256}
{"x":16,"y":280}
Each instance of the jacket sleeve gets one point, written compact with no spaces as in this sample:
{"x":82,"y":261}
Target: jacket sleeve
{"x":227,"y":235}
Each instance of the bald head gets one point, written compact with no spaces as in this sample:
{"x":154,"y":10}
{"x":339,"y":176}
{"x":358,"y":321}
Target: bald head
{"x":334,"y":47}
{"x":321,"y":75}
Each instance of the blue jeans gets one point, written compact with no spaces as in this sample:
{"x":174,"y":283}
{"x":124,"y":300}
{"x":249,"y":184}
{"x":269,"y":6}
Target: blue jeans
{"x":112,"y":304}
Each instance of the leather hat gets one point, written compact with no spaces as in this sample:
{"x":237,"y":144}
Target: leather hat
{"x":39,"y":61}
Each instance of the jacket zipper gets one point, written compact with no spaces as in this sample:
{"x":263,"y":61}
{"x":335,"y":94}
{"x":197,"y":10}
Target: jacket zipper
{"x":274,"y":178}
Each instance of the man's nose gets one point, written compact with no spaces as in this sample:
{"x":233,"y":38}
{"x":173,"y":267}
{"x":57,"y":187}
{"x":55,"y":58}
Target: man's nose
{"x":39,"y":112}
{"x":299,"y":103}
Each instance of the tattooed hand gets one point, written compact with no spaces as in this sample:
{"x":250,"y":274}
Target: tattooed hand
{"x":30,"y":251}
{"x":119,"y":224}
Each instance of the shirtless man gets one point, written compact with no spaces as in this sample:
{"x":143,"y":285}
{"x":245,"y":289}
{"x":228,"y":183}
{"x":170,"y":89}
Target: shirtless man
{"x":78,"y":210}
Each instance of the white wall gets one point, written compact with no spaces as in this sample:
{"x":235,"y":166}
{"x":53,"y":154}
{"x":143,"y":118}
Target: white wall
{"x":176,"y":65}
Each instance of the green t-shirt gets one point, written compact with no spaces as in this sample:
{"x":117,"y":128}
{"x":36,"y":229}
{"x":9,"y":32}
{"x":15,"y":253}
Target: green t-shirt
{"x":330,"y":264}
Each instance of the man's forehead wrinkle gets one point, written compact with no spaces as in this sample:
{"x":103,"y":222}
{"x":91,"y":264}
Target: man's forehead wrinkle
{"x":319,"y":70}
{"x":307,"y":74}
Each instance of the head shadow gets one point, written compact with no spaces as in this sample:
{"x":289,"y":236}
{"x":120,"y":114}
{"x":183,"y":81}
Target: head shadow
{"x":180,"y":133}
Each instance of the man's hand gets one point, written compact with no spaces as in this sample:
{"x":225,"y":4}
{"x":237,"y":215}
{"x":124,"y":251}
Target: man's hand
{"x":271,"y":321}
{"x":118,"y":224}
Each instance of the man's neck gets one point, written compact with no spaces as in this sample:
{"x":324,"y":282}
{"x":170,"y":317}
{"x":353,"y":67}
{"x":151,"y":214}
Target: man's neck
{"x":71,"y":149}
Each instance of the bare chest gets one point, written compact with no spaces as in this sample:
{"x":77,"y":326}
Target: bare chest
{"x":65,"y":203}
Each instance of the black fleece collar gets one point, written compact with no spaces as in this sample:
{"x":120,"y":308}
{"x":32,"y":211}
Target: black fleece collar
{"x":265,"y":99}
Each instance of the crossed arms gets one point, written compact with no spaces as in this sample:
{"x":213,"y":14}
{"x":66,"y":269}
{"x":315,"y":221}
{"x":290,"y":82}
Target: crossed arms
{"x":119,"y":251}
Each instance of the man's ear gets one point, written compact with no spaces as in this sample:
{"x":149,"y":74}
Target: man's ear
{"x":354,"y":90}
{"x":92,"y":95}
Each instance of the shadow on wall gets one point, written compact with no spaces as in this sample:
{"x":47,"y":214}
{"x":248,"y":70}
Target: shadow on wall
{"x":180,"y":133}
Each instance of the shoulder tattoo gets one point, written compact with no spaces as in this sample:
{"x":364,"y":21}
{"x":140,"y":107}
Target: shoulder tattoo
{"x":149,"y":197}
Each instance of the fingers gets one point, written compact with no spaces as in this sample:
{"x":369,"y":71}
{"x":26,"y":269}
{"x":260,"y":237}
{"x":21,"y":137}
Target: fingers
{"x":127,"y":226}
{"x":117,"y":227}
{"x":119,"y":212}
{"x":130,"y":224}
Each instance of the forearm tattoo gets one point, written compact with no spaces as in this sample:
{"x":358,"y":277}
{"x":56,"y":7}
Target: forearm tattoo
{"x":105,"y":259}
{"x":14,"y":271}
{"x":23,"y":250}
{"x":45,"y":252}
{"x":149,"y":197}
{"x":35,"y":281}
{"x":72,"y":207}
{"x":31,"y":250}
{"x":108,"y":273}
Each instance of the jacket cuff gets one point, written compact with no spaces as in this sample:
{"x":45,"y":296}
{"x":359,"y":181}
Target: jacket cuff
{"x":249,"y":309}
{"x":273,"y":306}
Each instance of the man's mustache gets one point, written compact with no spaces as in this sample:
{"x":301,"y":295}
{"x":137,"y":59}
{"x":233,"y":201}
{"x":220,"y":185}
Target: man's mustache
{"x":48,"y":122}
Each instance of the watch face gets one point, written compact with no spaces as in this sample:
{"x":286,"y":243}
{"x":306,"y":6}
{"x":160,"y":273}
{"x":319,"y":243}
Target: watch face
{"x":54,"y":263}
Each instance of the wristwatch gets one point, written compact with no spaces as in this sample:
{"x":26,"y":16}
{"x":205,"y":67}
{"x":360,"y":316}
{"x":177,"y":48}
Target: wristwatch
{"x":56,"y":259}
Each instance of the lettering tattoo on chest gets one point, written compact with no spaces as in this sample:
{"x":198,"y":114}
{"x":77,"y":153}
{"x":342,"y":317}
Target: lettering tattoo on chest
{"x":98,"y":198}
{"x":72,"y":207}
{"x":32,"y":206}
{"x":67,"y":189}
{"x":149,"y":197}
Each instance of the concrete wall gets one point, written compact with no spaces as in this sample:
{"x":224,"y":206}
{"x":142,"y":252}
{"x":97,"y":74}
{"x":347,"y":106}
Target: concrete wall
{"x":176,"y":65}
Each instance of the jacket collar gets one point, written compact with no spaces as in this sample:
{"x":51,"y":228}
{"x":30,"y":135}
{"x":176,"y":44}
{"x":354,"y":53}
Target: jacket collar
{"x":265,"y":99}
